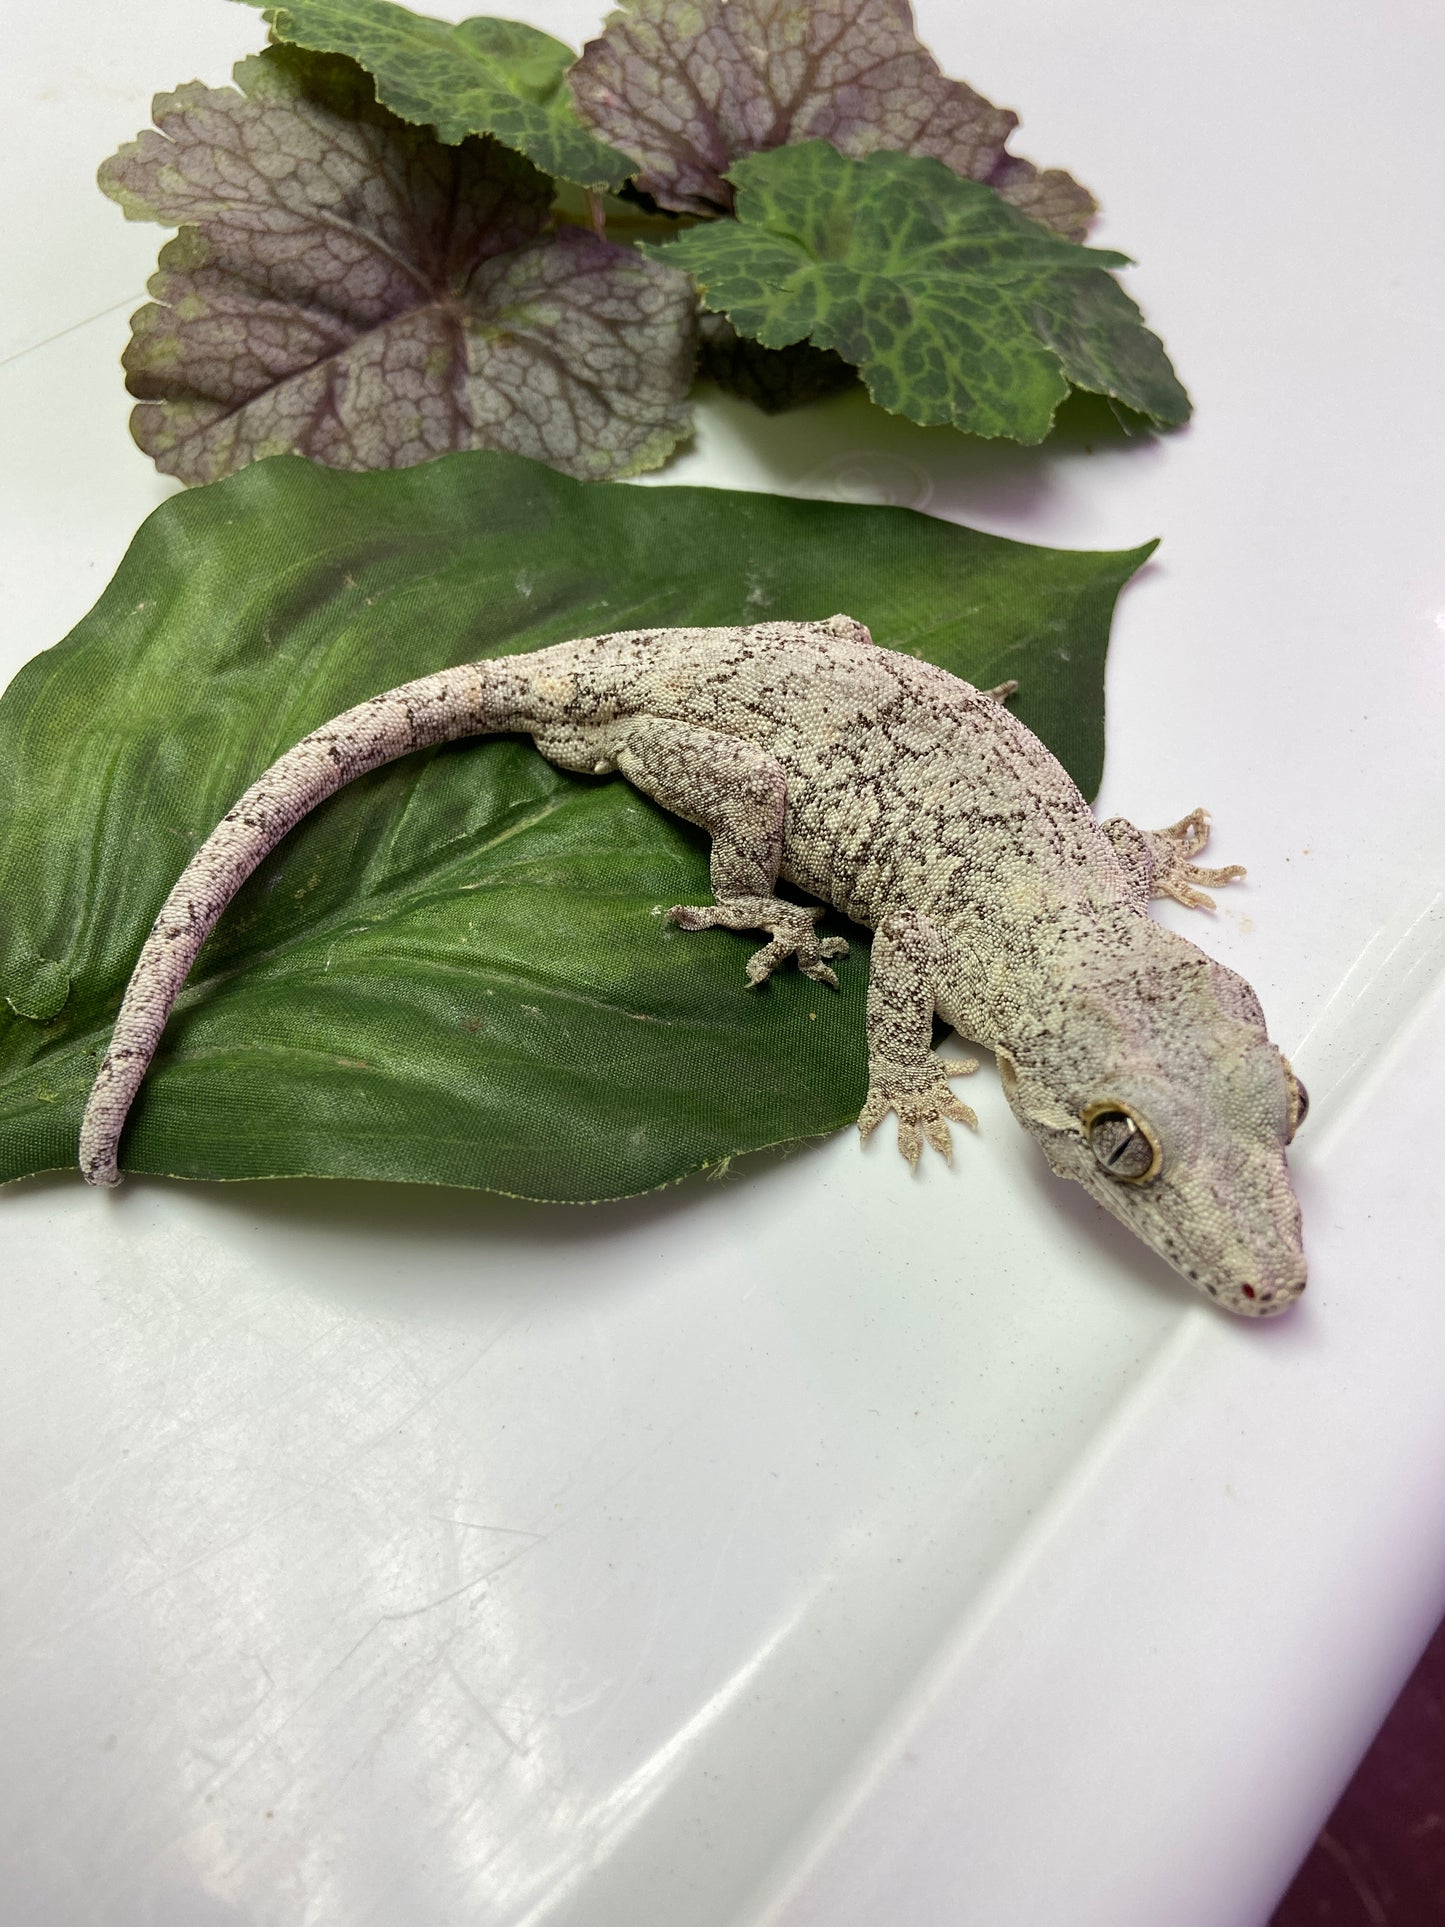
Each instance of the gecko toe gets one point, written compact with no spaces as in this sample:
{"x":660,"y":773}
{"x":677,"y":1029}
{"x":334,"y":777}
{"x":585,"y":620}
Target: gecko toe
{"x":762,"y":963}
{"x":1191,"y":832}
{"x":1184,"y":893}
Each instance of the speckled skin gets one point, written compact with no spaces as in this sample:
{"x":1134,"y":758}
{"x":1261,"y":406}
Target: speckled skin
{"x":919,"y":806}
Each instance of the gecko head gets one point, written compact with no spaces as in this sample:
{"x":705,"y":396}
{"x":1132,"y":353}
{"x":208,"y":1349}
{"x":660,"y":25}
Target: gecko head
{"x":1162,"y":1095}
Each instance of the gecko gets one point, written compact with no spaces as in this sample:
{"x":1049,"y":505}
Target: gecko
{"x":922,"y":808}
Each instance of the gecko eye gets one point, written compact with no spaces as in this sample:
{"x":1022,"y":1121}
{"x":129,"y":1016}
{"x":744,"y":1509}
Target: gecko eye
{"x":1299,"y":1102}
{"x":1123,"y":1144}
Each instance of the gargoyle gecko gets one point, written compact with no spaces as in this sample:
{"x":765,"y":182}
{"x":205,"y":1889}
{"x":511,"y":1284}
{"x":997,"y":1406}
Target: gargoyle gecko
{"x":917,"y":805}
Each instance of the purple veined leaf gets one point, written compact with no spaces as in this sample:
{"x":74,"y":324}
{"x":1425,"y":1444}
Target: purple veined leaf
{"x":559,"y":368}
{"x":347,"y":287}
{"x":688,"y":86}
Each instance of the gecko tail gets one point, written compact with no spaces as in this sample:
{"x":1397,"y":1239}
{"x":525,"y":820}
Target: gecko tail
{"x":470,"y":700}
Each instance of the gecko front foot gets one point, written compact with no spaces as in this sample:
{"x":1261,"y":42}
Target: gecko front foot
{"x":790,"y":925}
{"x":1174,"y":875}
{"x":920,"y":1095}
{"x":1157,"y":863}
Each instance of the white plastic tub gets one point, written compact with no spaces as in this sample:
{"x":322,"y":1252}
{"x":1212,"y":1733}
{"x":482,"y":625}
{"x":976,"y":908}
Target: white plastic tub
{"x":823,"y":1547}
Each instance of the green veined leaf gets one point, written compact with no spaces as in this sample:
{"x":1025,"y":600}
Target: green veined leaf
{"x":482,"y":76}
{"x":454,"y":971}
{"x":952,"y":305}
{"x":346,"y":286}
{"x":689,"y":86}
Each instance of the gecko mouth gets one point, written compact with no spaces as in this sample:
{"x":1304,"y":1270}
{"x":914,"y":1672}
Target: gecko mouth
{"x":1277,"y":1275}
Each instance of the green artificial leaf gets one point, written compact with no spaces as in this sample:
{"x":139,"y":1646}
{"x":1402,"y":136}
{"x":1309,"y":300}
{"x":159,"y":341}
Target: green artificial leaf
{"x":481,"y":76}
{"x":347,"y":287}
{"x":36,"y":987}
{"x":953,"y":306}
{"x":689,"y":86}
{"x":454,"y":971}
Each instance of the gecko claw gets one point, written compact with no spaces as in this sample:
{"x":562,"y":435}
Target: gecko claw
{"x":1189,"y":834}
{"x":820,"y":974}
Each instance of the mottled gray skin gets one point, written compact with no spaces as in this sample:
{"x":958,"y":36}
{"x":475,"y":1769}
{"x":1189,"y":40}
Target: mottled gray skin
{"x":917,"y":805}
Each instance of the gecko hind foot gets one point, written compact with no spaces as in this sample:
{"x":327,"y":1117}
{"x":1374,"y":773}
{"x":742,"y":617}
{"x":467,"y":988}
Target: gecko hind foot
{"x":790,"y":925}
{"x":1174,"y":875}
{"x":920,"y":1095}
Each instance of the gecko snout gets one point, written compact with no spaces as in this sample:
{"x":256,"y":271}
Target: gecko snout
{"x":1267,"y":1301}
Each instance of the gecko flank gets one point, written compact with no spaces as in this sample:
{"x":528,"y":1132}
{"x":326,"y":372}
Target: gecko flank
{"x":920,"y":807}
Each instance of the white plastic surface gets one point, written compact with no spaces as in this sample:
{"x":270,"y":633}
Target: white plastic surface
{"x":822,"y":1547}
